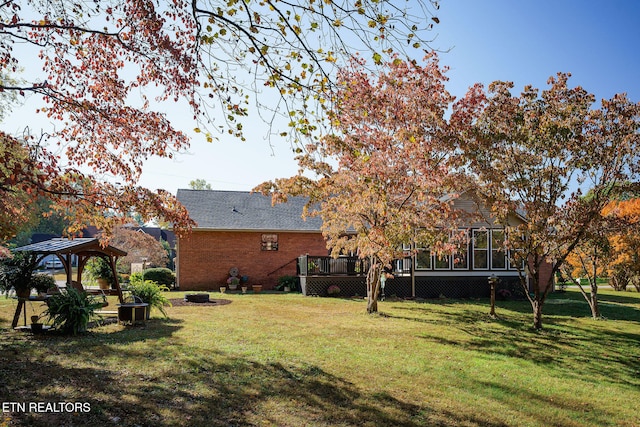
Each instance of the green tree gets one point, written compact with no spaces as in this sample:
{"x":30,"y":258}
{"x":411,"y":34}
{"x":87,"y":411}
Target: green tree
{"x":199,"y":184}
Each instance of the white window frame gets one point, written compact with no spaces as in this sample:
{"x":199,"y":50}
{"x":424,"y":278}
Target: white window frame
{"x":464,"y":250}
{"x":435,"y":266}
{"x":501,"y":249}
{"x":486,"y":250}
{"x":429,"y":256}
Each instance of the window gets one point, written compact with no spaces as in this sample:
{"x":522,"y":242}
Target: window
{"x":442,"y":262}
{"x":461,"y":255}
{"x":498,"y":255}
{"x":423,"y":259}
{"x":461,"y":259}
{"x":480,"y":250}
{"x":269,"y":242}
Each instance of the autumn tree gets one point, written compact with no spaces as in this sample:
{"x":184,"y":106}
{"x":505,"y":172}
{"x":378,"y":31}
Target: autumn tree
{"x":138,"y":245}
{"x":386,"y":177}
{"x":102,"y":73}
{"x":587,"y":260}
{"x":610,"y":249}
{"x":534,"y":153}
{"x":623,"y":261}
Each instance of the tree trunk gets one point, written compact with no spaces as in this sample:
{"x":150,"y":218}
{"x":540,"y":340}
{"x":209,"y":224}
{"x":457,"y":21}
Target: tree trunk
{"x":537,"y":314}
{"x":593,"y":300}
{"x":373,"y":286}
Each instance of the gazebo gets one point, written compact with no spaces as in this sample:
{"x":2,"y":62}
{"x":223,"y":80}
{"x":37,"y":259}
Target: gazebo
{"x":84,"y":249}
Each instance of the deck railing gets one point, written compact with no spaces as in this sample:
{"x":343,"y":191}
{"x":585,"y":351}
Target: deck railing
{"x":310,"y":265}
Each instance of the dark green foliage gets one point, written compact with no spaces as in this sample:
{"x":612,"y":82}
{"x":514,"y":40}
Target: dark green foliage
{"x":162,"y":276}
{"x":100,"y":268}
{"x":287,"y":281}
{"x":149,"y":291}
{"x":16,"y":272}
{"x":70,"y":311}
{"x":42,"y":282}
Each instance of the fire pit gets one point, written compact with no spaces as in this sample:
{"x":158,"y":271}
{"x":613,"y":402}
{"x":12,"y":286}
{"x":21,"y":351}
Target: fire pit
{"x":200,"y":298}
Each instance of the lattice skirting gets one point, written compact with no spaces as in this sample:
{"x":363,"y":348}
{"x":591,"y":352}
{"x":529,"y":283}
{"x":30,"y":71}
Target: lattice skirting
{"x":426,"y":287}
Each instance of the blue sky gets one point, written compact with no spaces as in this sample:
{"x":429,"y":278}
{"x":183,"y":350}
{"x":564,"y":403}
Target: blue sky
{"x":528,"y":41}
{"x":520,"y":41}
{"x":516,"y":40}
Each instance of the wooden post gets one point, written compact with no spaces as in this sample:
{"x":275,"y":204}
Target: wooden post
{"x":492,"y":283}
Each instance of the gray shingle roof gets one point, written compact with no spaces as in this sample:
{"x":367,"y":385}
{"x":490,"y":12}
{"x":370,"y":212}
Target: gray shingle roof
{"x":65,"y":246}
{"x":242,"y":210}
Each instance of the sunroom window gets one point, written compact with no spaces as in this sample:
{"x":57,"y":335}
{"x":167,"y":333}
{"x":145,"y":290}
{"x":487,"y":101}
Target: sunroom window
{"x":423,"y":259}
{"x":480,"y":250}
{"x":498,"y":254}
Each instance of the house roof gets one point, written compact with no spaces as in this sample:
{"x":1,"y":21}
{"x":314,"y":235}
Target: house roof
{"x":243,"y":210}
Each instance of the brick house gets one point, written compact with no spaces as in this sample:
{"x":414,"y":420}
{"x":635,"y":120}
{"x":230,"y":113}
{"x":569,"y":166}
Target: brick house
{"x":243,"y":230}
{"x":264,"y":242}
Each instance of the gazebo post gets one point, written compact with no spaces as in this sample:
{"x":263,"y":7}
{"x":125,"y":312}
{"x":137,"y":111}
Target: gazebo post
{"x":112,"y":261}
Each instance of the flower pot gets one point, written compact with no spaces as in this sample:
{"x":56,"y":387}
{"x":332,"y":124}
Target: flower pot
{"x":222,"y":289}
{"x":103,"y":283}
{"x":23,"y":293}
{"x":233,"y":287}
{"x":257,"y":288}
{"x":244,"y":289}
{"x":36,"y":328}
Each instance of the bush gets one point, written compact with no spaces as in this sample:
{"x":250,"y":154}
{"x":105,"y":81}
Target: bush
{"x":333,"y":291}
{"x":287,"y":281}
{"x":503,"y":294}
{"x":70,"y":311}
{"x":162,"y":276}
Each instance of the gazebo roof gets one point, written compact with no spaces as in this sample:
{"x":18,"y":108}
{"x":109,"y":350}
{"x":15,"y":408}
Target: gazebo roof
{"x":59,"y":246}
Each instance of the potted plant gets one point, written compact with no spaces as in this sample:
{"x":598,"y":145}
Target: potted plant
{"x":16,"y":272}
{"x":233,"y":283}
{"x":42,"y":283}
{"x":36,"y":326}
{"x":71,"y":310}
{"x":100,"y":269}
{"x":149,"y":292}
{"x":287,"y":283}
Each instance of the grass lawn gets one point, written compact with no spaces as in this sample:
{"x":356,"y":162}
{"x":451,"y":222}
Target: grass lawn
{"x":289,"y":360}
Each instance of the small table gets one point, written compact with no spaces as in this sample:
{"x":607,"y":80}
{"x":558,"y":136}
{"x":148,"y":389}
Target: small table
{"x":133,"y":312}
{"x":23,"y":307}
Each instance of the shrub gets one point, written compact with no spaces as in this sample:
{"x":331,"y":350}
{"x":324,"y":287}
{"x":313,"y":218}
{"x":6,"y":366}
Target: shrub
{"x":290,"y":281}
{"x":503,"y":294}
{"x":70,"y":311}
{"x":333,"y":291}
{"x":162,"y":276}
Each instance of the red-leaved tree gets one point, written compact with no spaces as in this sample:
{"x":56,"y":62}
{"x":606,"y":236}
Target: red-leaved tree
{"x":97,"y":70}
{"x":387,"y":176}
{"x":535,"y":153}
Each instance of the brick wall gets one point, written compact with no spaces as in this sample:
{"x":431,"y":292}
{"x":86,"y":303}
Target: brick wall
{"x":205,"y":257}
